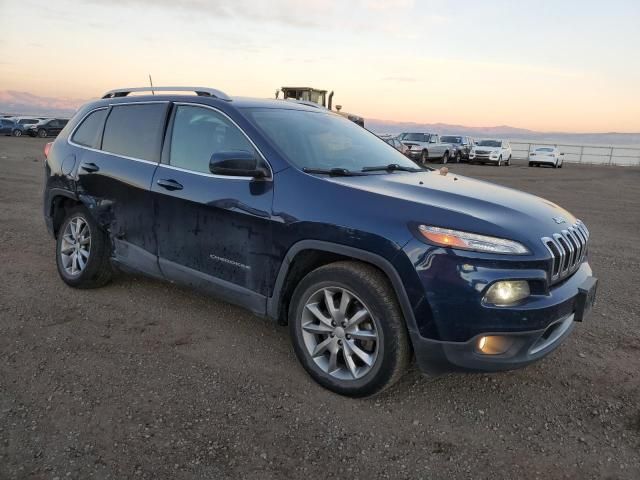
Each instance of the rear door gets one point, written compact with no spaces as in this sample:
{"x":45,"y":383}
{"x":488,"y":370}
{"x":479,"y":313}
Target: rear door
{"x":213,"y":231}
{"x":115,"y":168}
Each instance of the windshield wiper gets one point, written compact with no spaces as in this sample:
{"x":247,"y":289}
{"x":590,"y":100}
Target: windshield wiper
{"x":392,"y":167}
{"x":334,"y":172}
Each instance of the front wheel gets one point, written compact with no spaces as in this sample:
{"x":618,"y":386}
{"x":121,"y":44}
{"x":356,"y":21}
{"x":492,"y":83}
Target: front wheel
{"x":17,"y":133}
{"x":82,"y":251}
{"x":347,"y":329}
{"x":508,"y":161}
{"x":458,"y":157}
{"x":445,"y":158}
{"x":499,"y":161}
{"x":424,"y":158}
{"x":42,"y":133}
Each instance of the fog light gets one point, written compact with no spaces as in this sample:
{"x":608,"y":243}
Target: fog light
{"x":494,"y":344}
{"x":507,"y":292}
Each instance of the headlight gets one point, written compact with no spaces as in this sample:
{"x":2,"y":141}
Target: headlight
{"x":471,"y":241}
{"x":509,"y":292}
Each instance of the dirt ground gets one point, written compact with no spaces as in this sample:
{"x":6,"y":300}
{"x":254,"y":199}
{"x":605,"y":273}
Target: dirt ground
{"x":142,"y":379}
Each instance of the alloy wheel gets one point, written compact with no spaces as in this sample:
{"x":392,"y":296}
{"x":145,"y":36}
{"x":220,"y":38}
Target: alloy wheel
{"x":75,"y":247}
{"x":339,"y":333}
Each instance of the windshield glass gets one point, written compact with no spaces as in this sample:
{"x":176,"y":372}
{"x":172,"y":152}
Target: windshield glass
{"x":321,"y":140}
{"x":447,"y":139}
{"x":544,"y":149}
{"x":489,"y":143}
{"x":413,"y":137}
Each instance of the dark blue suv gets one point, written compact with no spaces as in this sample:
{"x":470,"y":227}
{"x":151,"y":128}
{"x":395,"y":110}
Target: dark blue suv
{"x":302,"y":216}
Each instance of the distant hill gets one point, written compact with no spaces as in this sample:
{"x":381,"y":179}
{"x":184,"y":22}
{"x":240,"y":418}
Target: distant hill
{"x":25,"y":103}
{"x":505,"y":131}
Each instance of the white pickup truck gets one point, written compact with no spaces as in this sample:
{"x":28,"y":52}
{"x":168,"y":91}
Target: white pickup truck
{"x":426,"y":147}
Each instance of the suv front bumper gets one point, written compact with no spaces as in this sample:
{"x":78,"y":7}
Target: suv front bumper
{"x":451,"y":318}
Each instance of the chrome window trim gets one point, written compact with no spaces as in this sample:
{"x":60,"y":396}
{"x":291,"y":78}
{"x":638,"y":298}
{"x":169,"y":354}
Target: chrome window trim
{"x":204,"y":174}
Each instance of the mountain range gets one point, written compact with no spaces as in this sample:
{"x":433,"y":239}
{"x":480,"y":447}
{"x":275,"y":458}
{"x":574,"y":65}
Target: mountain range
{"x":25,"y":103}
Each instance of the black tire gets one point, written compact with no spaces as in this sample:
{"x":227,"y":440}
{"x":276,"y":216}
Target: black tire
{"x":424,"y":157}
{"x":373,"y":288}
{"x":42,"y":133}
{"x":457,"y":158}
{"x":445,"y":158}
{"x":98,"y":270}
{"x":531,"y":164}
{"x":508,"y":164}
{"x":499,"y":162}
{"x":17,"y":133}
{"x":561,"y":164}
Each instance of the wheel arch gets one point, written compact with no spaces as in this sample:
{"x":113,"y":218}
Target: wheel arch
{"x":59,"y":201}
{"x":307,"y":255}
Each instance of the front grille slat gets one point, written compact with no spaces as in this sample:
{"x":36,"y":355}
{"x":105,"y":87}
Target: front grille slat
{"x":568,"y":249}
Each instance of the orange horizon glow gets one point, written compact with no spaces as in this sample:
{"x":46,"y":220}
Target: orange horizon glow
{"x":558,"y":68}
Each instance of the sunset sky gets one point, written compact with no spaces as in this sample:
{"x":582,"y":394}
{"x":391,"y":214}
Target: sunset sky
{"x":545,"y":65}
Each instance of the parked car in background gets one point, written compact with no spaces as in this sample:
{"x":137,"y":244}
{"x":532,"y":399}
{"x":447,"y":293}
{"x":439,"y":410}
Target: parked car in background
{"x":395,"y":143}
{"x":426,"y":147}
{"x":47,"y":128}
{"x":22,"y":124}
{"x":461,"y":146}
{"x":546,"y":156}
{"x":491,"y":151}
{"x":302,"y":216}
{"x":7,"y":126}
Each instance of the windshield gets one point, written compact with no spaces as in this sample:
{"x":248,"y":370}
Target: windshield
{"x":413,"y":137}
{"x":489,"y":143}
{"x":447,"y":139}
{"x":321,"y":140}
{"x":544,"y":149}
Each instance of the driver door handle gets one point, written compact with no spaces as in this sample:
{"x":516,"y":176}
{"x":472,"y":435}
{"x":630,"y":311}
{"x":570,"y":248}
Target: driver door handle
{"x":90,"y":167}
{"x":169,"y":184}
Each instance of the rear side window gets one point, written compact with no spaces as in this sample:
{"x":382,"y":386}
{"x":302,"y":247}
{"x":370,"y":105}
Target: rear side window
{"x":90,"y":130}
{"x":135,"y":130}
{"x":200,"y":132}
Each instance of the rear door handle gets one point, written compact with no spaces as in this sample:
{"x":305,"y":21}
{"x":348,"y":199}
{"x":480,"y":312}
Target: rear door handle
{"x":169,"y":184}
{"x":90,"y":167}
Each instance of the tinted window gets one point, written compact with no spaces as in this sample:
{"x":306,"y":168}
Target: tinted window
{"x":135,"y":130}
{"x":200,"y":132}
{"x":415,"y":137}
{"x":90,"y":130}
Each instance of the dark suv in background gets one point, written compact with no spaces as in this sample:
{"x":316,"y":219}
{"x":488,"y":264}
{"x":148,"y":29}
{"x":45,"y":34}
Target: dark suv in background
{"x":461,"y":146}
{"x":302,"y":216}
{"x":47,"y":128}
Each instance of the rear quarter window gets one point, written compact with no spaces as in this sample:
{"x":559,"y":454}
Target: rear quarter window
{"x":89,"y":133}
{"x":135,"y":130}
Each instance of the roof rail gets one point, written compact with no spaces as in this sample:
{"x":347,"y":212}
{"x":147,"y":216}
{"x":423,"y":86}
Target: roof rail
{"x":200,"y":91}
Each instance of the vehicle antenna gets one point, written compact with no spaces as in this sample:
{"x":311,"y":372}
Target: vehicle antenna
{"x":151,"y":84}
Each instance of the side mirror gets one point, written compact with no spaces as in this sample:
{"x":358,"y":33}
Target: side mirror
{"x":236,"y":164}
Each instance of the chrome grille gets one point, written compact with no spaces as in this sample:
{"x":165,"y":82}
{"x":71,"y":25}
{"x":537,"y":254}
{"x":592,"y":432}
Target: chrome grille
{"x":568,"y":250}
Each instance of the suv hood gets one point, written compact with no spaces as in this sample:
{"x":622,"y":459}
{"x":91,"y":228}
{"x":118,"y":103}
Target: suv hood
{"x":463,"y":203}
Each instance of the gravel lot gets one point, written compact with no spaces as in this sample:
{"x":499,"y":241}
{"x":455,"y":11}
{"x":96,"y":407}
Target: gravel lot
{"x":142,"y":379}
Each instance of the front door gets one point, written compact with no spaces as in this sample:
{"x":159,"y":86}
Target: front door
{"x":213,"y":231}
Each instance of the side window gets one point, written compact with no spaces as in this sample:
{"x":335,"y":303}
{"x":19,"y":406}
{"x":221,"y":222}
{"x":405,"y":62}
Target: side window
{"x":200,"y":132}
{"x":135,"y":130}
{"x":90,"y":130}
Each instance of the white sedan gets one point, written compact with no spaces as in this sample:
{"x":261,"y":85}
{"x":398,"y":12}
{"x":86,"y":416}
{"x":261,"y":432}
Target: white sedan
{"x":546,"y":156}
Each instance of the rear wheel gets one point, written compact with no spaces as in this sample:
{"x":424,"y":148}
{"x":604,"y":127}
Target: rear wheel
{"x":82,"y":251}
{"x":17,"y":133}
{"x":347,"y":329}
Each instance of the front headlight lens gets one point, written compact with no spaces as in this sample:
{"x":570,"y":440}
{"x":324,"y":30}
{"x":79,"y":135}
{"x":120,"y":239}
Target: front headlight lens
{"x":471,"y":241}
{"x":507,"y":292}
